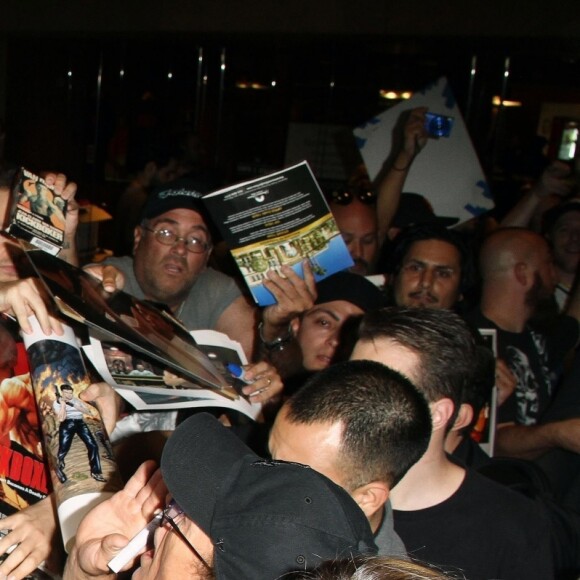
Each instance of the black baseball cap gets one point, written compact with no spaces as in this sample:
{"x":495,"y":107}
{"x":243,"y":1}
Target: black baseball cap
{"x":415,"y":209}
{"x":265,"y":518}
{"x":352,"y":288}
{"x":178,"y":194}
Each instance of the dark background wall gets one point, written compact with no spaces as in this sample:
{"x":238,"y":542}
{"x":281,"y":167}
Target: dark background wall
{"x":329,"y":59}
{"x":493,"y":18}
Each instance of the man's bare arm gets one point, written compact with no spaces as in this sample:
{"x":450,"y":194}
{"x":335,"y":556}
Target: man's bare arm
{"x":554,"y":180}
{"x":390,"y":185}
{"x":238,"y":321}
{"x":532,"y":441}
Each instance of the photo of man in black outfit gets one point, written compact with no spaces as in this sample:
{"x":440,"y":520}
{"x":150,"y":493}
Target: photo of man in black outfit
{"x":70,"y":413}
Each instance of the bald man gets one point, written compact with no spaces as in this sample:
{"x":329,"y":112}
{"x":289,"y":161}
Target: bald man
{"x":517,"y":271}
{"x":358,"y":225}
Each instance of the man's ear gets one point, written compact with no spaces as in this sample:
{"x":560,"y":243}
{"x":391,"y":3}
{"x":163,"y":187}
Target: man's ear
{"x":137,"y":234}
{"x":521,"y":273}
{"x":371,"y":497}
{"x":441,"y":413}
{"x":295,"y":325}
{"x":464,"y":417}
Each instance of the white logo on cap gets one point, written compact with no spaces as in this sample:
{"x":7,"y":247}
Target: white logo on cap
{"x":179,"y":192}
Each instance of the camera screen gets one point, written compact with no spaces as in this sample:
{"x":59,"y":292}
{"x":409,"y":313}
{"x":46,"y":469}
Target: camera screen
{"x":438,"y":125}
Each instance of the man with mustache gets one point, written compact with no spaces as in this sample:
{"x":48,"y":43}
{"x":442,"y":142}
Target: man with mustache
{"x":430,"y":266}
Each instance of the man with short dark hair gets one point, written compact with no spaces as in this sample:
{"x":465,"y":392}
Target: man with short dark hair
{"x":445,"y":514}
{"x":430,"y":267}
{"x":363,"y":426}
{"x":231,"y":514}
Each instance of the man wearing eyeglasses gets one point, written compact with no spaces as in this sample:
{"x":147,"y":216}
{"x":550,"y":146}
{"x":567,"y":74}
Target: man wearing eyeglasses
{"x":169,"y":266}
{"x":229,"y":515}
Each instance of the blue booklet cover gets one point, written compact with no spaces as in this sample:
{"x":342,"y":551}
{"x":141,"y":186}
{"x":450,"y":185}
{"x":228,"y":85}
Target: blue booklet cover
{"x":275,"y":220}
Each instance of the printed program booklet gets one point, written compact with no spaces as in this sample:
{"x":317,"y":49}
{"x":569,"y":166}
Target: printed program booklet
{"x":75,"y":442}
{"x":275,"y":220}
{"x":37,"y":213}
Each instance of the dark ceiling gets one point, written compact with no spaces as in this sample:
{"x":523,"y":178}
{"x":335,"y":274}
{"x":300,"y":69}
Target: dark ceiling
{"x":303,"y":44}
{"x":516,"y":19}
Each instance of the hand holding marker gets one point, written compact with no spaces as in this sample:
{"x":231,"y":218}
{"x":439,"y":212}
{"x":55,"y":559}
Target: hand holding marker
{"x":237,"y":372}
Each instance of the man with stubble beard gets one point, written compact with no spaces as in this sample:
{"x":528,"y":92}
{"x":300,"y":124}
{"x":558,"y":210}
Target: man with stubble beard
{"x":430,"y":267}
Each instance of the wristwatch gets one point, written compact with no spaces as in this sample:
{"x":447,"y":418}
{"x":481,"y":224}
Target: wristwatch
{"x":279,"y":342}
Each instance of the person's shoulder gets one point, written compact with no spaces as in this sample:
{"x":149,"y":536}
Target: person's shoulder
{"x":120,"y":262}
{"x":498,"y":497}
{"x":475,"y":319}
{"x":209,"y":277}
{"x":213,"y":274}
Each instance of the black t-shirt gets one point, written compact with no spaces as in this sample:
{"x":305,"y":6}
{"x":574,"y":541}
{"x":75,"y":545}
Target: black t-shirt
{"x":526,"y":354}
{"x":483,"y":530}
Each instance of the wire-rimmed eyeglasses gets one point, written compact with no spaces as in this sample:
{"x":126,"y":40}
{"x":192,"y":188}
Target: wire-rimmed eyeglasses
{"x":169,"y":238}
{"x":169,"y":514}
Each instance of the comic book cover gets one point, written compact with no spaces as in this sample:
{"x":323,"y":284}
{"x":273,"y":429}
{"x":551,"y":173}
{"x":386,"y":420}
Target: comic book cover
{"x":80,"y":457}
{"x":23,"y":479}
{"x":37,"y":213}
{"x":23,"y":471}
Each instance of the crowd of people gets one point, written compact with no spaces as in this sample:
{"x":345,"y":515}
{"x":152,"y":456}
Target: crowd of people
{"x":365,"y":463}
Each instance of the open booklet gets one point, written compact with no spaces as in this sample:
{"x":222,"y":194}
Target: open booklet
{"x":144,"y":333}
{"x":148,"y":386}
{"x":275,"y":220}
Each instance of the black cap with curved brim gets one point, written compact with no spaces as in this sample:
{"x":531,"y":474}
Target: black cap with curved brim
{"x":179,"y":194}
{"x":352,"y":288}
{"x":265,"y":518}
{"x":415,"y":209}
{"x":175,"y":195}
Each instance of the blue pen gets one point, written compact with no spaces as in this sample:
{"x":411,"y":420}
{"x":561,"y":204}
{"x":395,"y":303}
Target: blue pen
{"x":237,"y":372}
